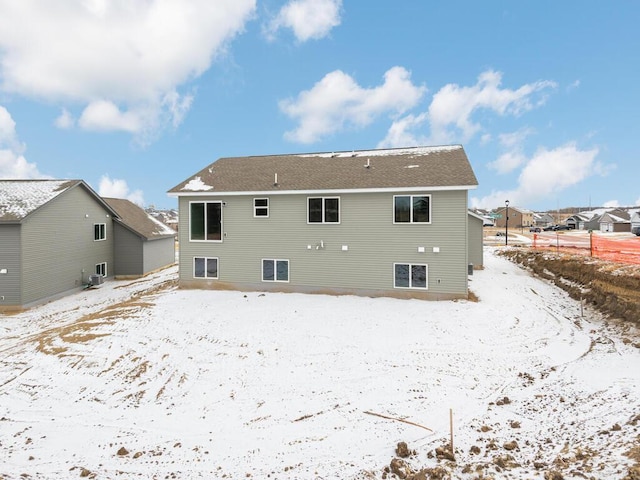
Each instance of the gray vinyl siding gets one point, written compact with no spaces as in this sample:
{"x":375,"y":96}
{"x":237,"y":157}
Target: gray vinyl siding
{"x":129,"y":252}
{"x":366,"y":227}
{"x":159,"y":253}
{"x":10,"y":282}
{"x":476,"y":234}
{"x":59,"y":251}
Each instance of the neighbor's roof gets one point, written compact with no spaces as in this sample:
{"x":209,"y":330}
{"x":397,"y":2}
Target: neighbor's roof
{"x":138,"y":221}
{"x":19,"y":198}
{"x":443,"y":167}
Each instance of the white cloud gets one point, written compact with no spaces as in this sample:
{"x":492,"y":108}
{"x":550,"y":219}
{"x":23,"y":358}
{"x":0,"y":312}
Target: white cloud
{"x":611,"y":204}
{"x":65,"y":120}
{"x":454,"y":106}
{"x":573,"y":85}
{"x":337,"y":101}
{"x":13,"y":164}
{"x":117,"y":188}
{"x":308,"y":19}
{"x":546,"y":174}
{"x":105,"y":115}
{"x":507,"y":162}
{"x":131,"y":54}
{"x":450,"y":114}
{"x":514,"y":156}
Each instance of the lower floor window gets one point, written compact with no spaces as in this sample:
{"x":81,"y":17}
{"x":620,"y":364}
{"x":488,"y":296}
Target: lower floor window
{"x":204,"y":267}
{"x":101,"y":269}
{"x":275,"y":270}
{"x":407,"y":275}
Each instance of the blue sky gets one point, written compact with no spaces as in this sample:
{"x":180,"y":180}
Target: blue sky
{"x":134,"y":96}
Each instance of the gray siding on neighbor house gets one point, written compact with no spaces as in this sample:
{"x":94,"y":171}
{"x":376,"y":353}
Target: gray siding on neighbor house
{"x":137,"y":256}
{"x":366,"y":227}
{"x":476,"y":236}
{"x":10,"y":282}
{"x":159,"y":253}
{"x":58,"y":248}
{"x":129,"y":252}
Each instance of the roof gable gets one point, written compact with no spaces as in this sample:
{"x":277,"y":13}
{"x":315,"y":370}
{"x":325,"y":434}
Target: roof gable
{"x":137,"y":220}
{"x":19,"y":198}
{"x":417,"y":167}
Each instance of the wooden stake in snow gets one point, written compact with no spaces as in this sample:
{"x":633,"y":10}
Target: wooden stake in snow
{"x":451,"y":427}
{"x":398,"y":420}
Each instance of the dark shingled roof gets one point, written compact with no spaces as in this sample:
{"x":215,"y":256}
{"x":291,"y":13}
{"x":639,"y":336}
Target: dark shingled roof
{"x":137,"y":220}
{"x":417,"y":167}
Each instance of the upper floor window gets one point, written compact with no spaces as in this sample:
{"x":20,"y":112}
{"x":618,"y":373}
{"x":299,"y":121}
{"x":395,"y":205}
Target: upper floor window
{"x":205,"y":221}
{"x":260,"y":207}
{"x":412,"y":209}
{"x":323,"y":209}
{"x":99,"y":231}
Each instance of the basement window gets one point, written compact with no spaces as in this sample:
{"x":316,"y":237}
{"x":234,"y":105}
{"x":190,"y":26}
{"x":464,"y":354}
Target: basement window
{"x":408,"y":275}
{"x":204,"y":267}
{"x":275,"y":270}
{"x":101,"y":269}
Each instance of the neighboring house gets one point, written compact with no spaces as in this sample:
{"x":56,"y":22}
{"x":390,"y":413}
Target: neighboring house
{"x":476,"y":240}
{"x":379,"y":222}
{"x":542,"y":220}
{"x":635,"y":219}
{"x":518,"y":217}
{"x":142,"y":244}
{"x":616,"y":220}
{"x":53,"y":235}
{"x":579,"y":221}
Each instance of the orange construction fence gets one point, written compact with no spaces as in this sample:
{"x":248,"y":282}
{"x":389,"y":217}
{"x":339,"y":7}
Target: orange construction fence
{"x":622,"y":250}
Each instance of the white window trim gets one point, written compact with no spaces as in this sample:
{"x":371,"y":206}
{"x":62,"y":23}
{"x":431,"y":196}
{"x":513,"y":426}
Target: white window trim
{"x":275,"y":270}
{"x":255,"y":208}
{"x":410,"y":222}
{"x":193,"y":273}
{"x":105,"y":268}
{"x":205,"y":227}
{"x":411,"y":287}
{"x":104,"y":225}
{"x":325,"y":197}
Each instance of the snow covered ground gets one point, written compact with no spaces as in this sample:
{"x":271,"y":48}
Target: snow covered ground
{"x":137,"y":379}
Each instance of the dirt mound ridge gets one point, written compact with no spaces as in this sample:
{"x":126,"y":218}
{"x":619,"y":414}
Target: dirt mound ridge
{"x":612,"y":288}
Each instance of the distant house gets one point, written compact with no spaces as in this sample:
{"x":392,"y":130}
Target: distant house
{"x":579,"y":221}
{"x":378,"y":222}
{"x":635,"y":219}
{"x":142,"y":243}
{"x":542,"y":220}
{"x":518,"y":217}
{"x":53,"y":235}
{"x":615,"y":220}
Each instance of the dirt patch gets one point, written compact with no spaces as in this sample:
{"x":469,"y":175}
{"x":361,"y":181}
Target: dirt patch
{"x":611,"y":288}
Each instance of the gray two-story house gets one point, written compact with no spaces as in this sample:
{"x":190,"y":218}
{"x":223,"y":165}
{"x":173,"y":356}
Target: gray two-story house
{"x":388,"y":222}
{"x":54,"y":234}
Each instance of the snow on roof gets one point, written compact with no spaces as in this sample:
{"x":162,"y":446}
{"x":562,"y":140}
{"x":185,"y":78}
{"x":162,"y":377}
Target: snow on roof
{"x":18,"y":198}
{"x":162,"y":228}
{"x":196,"y":184}
{"x":424,"y":150}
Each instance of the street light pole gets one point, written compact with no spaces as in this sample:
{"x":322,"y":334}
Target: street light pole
{"x":506,"y":223}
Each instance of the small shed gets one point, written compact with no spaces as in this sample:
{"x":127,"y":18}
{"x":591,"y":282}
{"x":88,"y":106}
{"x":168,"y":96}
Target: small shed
{"x":142,"y":244}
